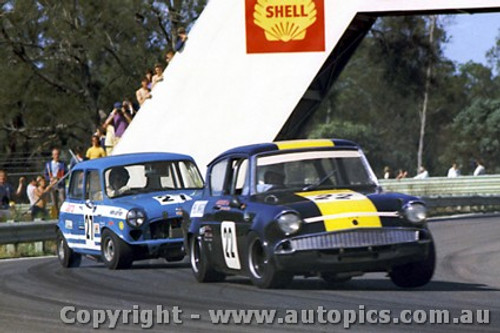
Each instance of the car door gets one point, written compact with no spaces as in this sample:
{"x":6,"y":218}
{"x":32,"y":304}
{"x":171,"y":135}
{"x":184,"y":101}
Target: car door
{"x":92,"y":216}
{"x":71,"y":214}
{"x":228,"y":208}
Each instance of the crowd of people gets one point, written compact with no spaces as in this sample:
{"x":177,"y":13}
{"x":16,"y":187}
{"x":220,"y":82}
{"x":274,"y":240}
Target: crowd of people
{"x":50,"y":187}
{"x":107,"y":135}
{"x":453,"y":171}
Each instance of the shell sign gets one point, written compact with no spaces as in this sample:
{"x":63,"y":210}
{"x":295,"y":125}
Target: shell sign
{"x":285,"y":25}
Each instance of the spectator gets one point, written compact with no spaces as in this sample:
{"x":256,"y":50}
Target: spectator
{"x":402,"y":174}
{"x":102,"y":137}
{"x":387,"y":172}
{"x":109,"y":141}
{"x":149,"y":76}
{"x":7,"y":194}
{"x":128,"y":106}
{"x":422,"y":173}
{"x":95,"y":151}
{"x":120,"y":121}
{"x":454,"y":171}
{"x":55,"y":171}
{"x":169,"y":56}
{"x":143,"y":93}
{"x":77,"y":158}
{"x":30,"y":191}
{"x":480,"y":169}
{"x":39,"y":209}
{"x":181,"y":39}
{"x":158,"y":75}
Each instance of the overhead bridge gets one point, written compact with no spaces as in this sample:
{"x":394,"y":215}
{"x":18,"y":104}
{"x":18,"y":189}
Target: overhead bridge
{"x":236,"y":82}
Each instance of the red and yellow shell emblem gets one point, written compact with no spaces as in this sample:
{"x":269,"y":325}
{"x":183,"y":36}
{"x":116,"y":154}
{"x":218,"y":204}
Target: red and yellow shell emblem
{"x":285,"y":20}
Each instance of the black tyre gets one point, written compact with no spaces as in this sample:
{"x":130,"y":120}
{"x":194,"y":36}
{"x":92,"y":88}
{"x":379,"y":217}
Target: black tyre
{"x":263,"y":271}
{"x":115,"y":253}
{"x":67,"y":257}
{"x":415,"y":274}
{"x":334,"y":279}
{"x":202,"y":270}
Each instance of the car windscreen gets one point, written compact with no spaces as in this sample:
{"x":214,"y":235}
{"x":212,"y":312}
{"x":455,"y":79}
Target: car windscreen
{"x":311,"y":170}
{"x":148,"y":177}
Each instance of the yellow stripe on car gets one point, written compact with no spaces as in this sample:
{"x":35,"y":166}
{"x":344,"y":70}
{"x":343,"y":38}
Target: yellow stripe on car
{"x":344,"y":209}
{"x":298,"y":144}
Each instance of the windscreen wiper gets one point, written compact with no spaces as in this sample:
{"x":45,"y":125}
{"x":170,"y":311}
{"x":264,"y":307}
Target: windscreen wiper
{"x":320,"y":182}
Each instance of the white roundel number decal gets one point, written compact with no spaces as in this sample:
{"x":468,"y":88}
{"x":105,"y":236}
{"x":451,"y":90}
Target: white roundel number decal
{"x":229,"y":245}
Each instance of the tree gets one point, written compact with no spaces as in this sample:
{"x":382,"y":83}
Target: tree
{"x":63,"y":62}
{"x":382,"y":88}
{"x":479,"y":128}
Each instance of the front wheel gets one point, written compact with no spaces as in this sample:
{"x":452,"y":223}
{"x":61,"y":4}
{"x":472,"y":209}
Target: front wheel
{"x":415,"y":274}
{"x":67,"y":257}
{"x":263,"y":271}
{"x":202,"y":270}
{"x":116,"y":254}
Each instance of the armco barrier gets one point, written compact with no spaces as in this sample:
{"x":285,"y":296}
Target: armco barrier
{"x":23,"y":232}
{"x":438,"y":192}
{"x":482,"y":186}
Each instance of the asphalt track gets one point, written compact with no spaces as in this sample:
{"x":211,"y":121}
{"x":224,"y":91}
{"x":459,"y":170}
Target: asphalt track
{"x":33,"y":291}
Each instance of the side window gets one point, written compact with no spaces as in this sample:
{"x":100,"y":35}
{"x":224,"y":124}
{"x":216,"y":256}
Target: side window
{"x":217,"y":178}
{"x":93,"y":190}
{"x":239,"y":184}
{"x":76,"y":185}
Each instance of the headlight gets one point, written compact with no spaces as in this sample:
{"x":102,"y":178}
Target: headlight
{"x":415,"y":212}
{"x":289,"y":223}
{"x":136,"y":217}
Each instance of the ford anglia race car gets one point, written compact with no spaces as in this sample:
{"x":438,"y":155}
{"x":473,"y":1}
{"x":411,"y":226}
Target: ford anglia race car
{"x":124,"y":208}
{"x":307,"y":207}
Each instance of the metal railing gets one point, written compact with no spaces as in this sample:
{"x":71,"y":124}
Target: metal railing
{"x":25,"y":232}
{"x":451,"y":195}
{"x":488,"y":185}
{"x":439,"y":192}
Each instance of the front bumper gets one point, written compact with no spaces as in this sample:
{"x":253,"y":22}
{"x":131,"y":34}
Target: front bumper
{"x":353,"y":250}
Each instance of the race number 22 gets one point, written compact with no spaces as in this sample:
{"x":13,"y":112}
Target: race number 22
{"x":229,"y":245}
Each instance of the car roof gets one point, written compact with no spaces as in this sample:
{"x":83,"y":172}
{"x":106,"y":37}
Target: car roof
{"x":124,"y":159}
{"x":287,"y":145}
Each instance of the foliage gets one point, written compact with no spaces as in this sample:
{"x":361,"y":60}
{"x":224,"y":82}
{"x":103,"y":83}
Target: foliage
{"x":479,"y":123}
{"x":381,"y":91}
{"x":63,"y":61}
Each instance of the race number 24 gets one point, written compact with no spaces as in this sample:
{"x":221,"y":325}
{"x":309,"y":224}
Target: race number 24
{"x":229,"y":245}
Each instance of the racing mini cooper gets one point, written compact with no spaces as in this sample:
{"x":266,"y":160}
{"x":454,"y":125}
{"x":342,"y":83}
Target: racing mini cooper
{"x":124,"y":208}
{"x":306,"y":207}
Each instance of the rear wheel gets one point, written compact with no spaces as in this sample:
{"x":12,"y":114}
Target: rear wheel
{"x":116,"y":254}
{"x":202,"y":270}
{"x":263,"y":271}
{"x":67,"y":257}
{"x":415,"y":274}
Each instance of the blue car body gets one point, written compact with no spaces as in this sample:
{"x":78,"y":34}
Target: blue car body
{"x":89,"y":210}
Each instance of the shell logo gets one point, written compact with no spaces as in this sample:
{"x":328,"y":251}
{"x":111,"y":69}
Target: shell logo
{"x":285,"y":22}
{"x":285,"y":26}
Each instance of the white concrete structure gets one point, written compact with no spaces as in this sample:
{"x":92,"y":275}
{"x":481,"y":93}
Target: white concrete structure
{"x":216,"y":95}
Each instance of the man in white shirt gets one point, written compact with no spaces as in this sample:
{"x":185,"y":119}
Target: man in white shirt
{"x":454,"y":171}
{"x":422,"y":173}
{"x":30,"y":191}
{"x":480,"y":170}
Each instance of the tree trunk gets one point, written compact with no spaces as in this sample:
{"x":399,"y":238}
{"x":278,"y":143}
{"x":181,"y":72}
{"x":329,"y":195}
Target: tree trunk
{"x":428,"y":75}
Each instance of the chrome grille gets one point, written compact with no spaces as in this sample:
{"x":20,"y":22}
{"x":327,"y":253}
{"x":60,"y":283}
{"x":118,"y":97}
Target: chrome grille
{"x":355,"y":238}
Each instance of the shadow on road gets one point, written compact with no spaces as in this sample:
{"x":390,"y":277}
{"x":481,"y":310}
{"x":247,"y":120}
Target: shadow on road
{"x":373,"y":285}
